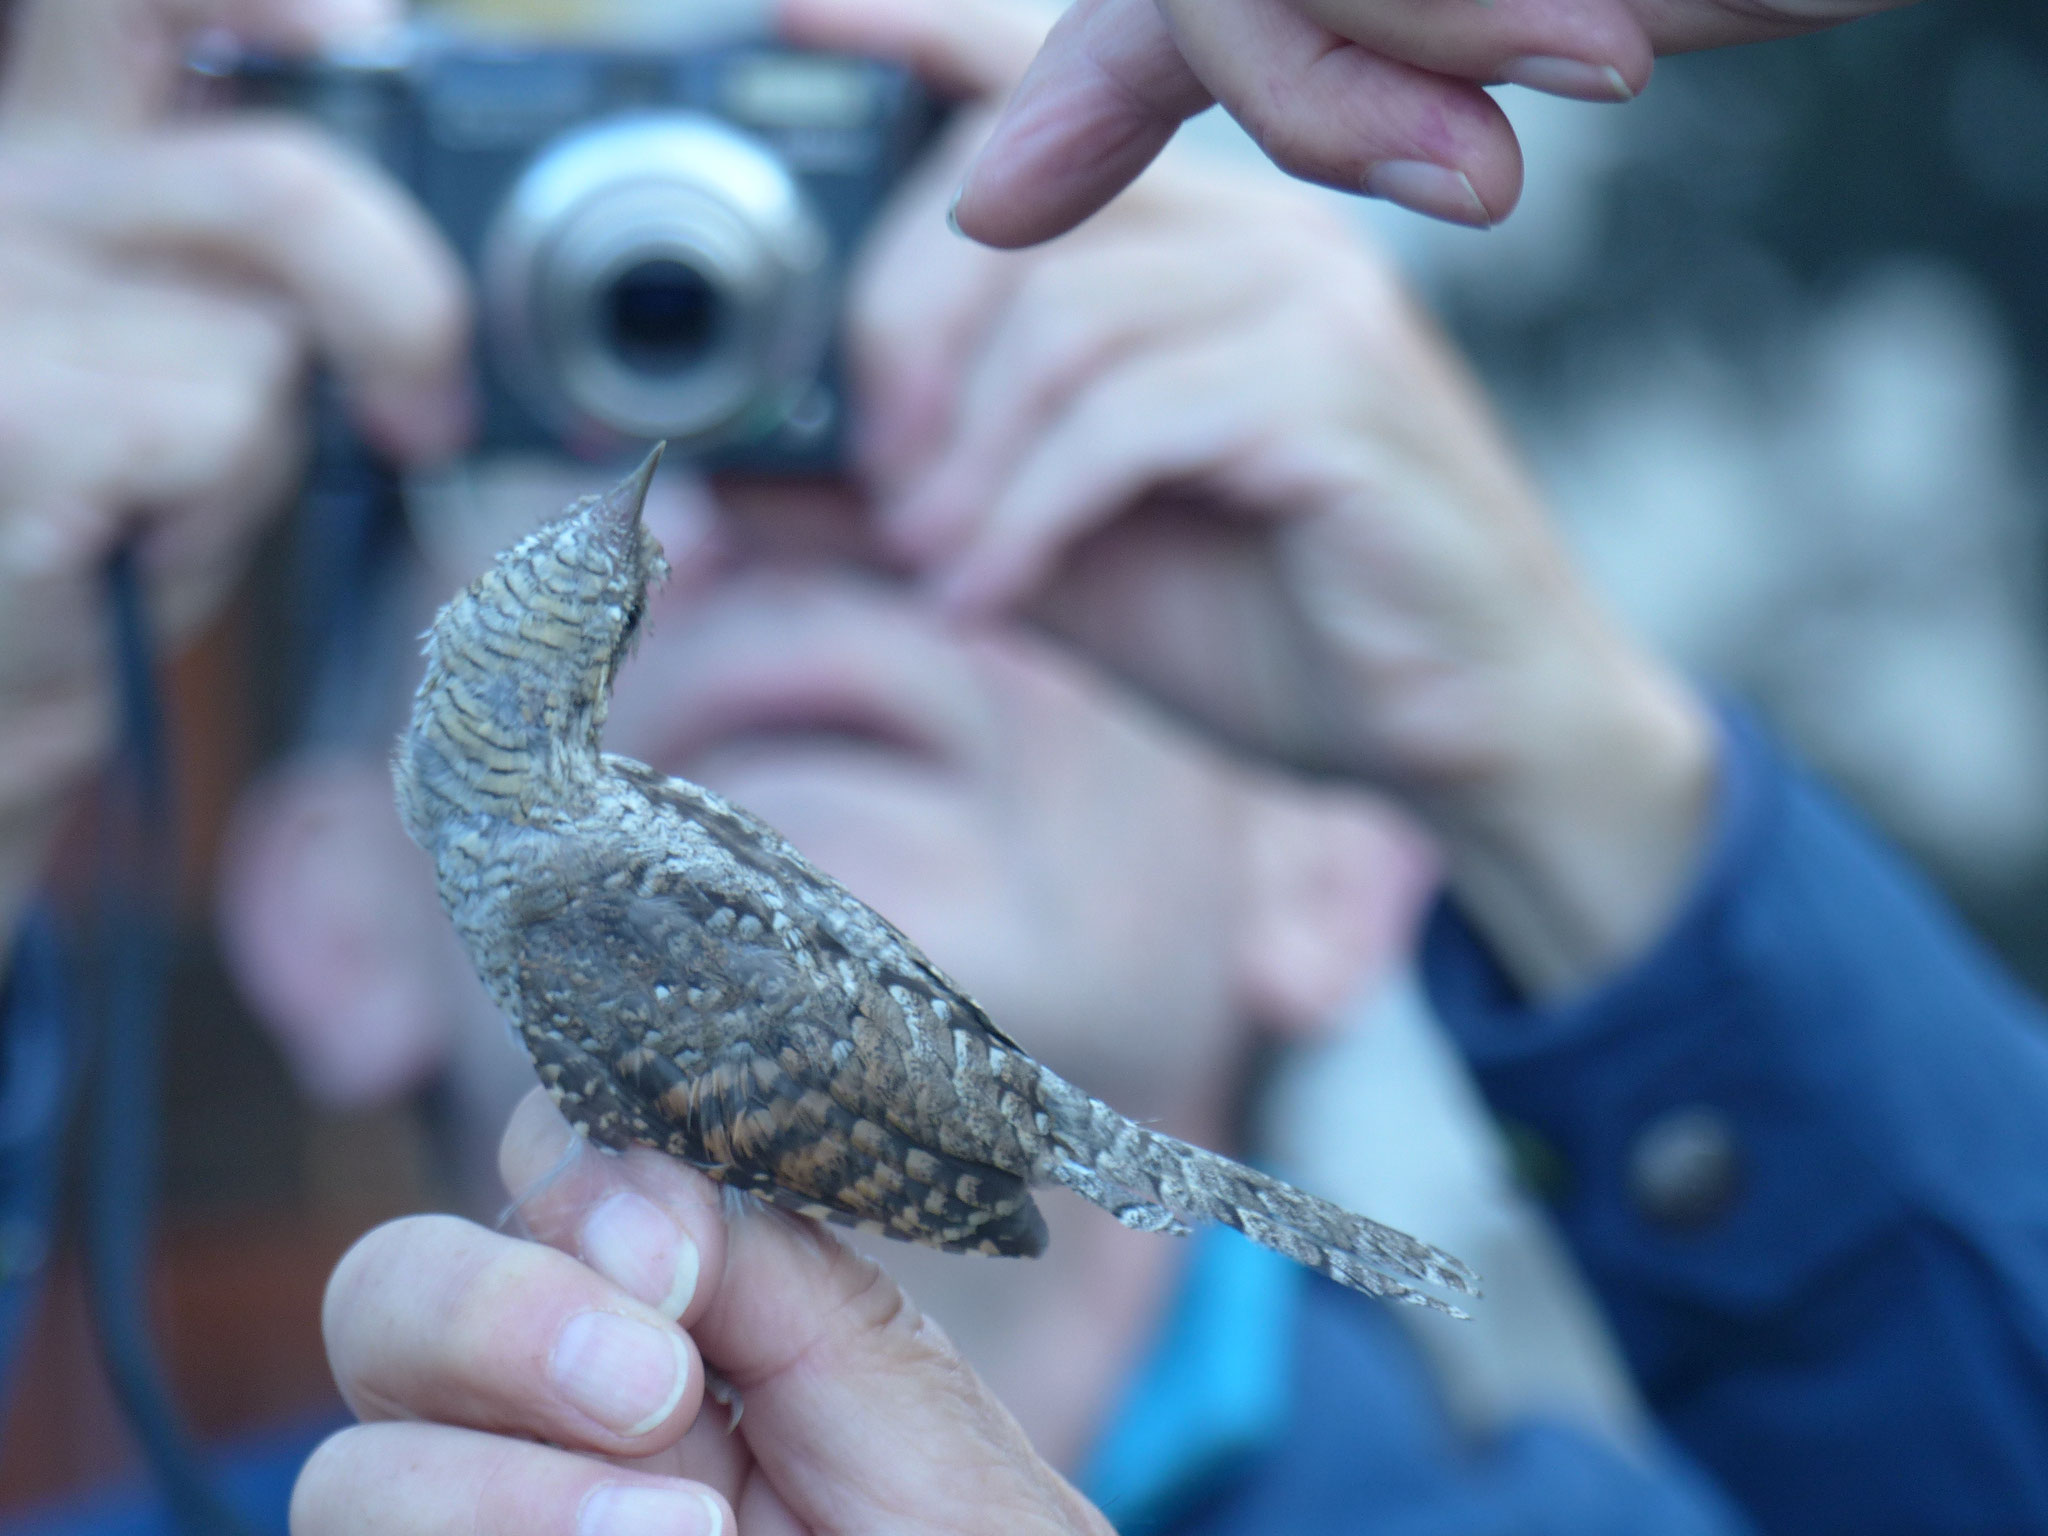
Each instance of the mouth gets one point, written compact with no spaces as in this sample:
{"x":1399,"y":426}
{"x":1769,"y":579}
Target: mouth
{"x":750,"y":728}
{"x":767,"y":668}
{"x":754,"y":686}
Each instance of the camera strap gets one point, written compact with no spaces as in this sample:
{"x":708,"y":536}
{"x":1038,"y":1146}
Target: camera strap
{"x":36,"y":1052}
{"x":137,"y":866}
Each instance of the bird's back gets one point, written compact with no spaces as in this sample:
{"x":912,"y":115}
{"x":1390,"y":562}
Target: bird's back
{"x":684,"y":979}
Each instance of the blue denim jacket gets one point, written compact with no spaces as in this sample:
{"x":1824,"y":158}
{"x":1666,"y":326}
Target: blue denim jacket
{"x":1859,"y":1341}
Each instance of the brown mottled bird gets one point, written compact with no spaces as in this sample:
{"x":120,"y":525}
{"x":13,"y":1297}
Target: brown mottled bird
{"x":685,"y":979}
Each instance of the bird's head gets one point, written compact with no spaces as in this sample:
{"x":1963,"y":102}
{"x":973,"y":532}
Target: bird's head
{"x":589,"y":572}
{"x":520,"y":664}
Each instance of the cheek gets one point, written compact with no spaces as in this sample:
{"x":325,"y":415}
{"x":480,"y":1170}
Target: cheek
{"x":1131,"y":891}
{"x":1117,"y":848}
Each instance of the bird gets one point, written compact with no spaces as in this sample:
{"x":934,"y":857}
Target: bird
{"x":684,"y":979}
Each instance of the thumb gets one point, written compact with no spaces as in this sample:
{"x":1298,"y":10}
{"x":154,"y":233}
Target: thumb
{"x":86,"y":67}
{"x":1095,"y":108}
{"x":857,"y":1408}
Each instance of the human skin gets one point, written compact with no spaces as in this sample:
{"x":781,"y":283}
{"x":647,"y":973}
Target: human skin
{"x":1210,"y":442}
{"x":163,"y":287}
{"x":447,"y":1339}
{"x":1382,"y":97}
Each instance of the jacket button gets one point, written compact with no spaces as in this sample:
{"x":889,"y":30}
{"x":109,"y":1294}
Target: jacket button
{"x":1685,"y":1169}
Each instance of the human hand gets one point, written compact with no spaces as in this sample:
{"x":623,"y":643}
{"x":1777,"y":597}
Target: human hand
{"x":163,"y":284}
{"x":1376,"y":96}
{"x":532,"y":1390}
{"x":1209,"y":439}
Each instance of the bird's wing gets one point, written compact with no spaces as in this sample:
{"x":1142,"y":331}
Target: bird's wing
{"x":752,"y":841}
{"x":719,"y":1045}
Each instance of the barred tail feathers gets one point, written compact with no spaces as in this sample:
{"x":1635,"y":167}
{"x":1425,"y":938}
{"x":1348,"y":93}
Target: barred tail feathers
{"x":1157,"y":1183}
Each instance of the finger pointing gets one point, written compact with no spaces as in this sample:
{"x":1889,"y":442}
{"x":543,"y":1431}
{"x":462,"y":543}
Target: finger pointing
{"x":1094,"y":109}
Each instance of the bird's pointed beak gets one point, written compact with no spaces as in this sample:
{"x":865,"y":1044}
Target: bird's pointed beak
{"x":620,"y":506}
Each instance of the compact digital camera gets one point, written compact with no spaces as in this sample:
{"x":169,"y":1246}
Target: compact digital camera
{"x":659,"y":241}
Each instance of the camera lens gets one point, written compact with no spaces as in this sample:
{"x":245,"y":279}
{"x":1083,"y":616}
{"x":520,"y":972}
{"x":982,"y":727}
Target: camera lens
{"x":659,"y":275}
{"x":662,"y":316}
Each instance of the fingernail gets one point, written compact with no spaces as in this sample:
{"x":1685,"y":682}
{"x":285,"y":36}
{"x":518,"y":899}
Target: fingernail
{"x":628,"y":1509}
{"x":1568,"y":77}
{"x":634,"y":1243}
{"x":624,"y":1374}
{"x":1436,"y":190}
{"x":953,"y":214}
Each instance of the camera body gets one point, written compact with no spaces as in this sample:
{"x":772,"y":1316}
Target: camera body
{"x":659,"y":240}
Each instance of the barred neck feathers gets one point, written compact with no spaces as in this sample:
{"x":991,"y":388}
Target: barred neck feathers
{"x":519,"y":667}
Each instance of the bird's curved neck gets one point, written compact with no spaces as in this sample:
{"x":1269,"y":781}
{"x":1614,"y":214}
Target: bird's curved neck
{"x":491,"y":737}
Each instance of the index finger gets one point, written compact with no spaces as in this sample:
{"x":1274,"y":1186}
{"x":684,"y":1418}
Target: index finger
{"x":432,"y":1318}
{"x":1360,"y":108}
{"x":646,"y":1222}
{"x":1098,"y":104}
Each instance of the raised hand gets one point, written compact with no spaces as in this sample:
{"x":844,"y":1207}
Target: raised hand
{"x":1209,"y":439}
{"x":163,"y":284}
{"x":1381,"y":97}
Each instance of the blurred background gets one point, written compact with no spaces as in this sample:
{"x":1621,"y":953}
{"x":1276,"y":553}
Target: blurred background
{"x":1777,"y":338}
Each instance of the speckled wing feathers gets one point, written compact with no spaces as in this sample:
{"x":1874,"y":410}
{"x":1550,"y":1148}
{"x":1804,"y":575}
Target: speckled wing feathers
{"x":721,"y":1045}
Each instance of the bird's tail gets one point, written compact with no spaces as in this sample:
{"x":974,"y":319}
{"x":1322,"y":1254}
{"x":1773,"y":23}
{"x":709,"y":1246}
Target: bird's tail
{"x":1157,"y":1183}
